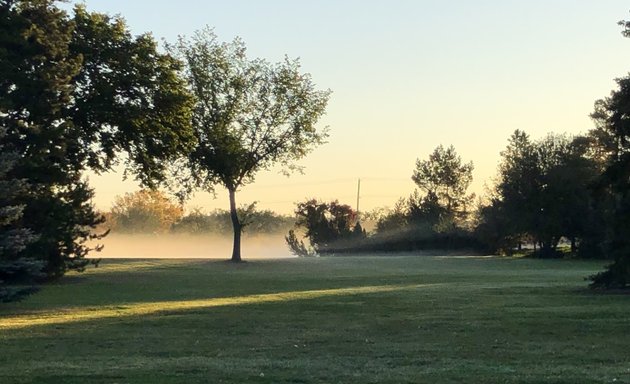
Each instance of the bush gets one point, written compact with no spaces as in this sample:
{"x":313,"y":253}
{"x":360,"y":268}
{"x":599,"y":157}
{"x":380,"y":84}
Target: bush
{"x":297,"y":247}
{"x":329,"y":227}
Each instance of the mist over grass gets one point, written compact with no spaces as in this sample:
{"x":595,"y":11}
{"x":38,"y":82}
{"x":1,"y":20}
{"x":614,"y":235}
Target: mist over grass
{"x":187,"y":246}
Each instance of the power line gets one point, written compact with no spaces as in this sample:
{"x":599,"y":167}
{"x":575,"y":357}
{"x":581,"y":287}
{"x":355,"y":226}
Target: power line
{"x":324,"y":182}
{"x":358,"y":194}
{"x":307,"y":183}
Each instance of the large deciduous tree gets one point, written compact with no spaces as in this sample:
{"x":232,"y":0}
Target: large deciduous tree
{"x":249,"y":115}
{"x":76,"y":91}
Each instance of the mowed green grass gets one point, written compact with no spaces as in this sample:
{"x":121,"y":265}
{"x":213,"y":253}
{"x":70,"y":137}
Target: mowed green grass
{"x":400,"y":319}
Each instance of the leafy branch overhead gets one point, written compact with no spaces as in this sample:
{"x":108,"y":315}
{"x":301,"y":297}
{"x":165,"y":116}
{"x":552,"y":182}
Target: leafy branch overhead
{"x":79,"y":92}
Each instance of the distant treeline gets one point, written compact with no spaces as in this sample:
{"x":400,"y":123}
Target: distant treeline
{"x":148,"y":211}
{"x":547,"y":192}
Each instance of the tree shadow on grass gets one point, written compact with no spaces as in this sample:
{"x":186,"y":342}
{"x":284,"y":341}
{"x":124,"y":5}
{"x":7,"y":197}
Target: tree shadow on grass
{"x":83,"y":314}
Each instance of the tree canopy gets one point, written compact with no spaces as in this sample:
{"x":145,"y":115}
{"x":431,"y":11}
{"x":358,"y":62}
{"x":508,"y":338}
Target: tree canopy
{"x":543,"y":193}
{"x":145,"y":211}
{"x":76,"y":92}
{"x":444,"y":181}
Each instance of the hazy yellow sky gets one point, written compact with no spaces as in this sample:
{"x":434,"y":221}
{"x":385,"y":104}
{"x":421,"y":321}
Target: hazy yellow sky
{"x":407,"y":76}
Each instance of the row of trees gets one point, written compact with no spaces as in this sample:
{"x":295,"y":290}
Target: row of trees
{"x":152,"y":212}
{"x":545,"y":192}
{"x":577,"y":188}
{"x":78,"y":92}
{"x":572,"y":188}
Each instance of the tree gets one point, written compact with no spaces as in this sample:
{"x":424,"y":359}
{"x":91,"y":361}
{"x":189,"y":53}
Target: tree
{"x":543,"y":192}
{"x":144,"y":211}
{"x":328,"y":226}
{"x":444,"y":180}
{"x":554,"y":197}
{"x":517,"y":185}
{"x":14,"y":238}
{"x":611,"y":117}
{"x":76,"y":92}
{"x":493,"y":228}
{"x":570,"y":189}
{"x":249,"y":116}
{"x":393,"y":220}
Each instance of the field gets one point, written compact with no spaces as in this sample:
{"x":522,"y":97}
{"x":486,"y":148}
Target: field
{"x":400,"y":319}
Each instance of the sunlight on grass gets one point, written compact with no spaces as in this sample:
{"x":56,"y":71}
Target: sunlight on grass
{"x":142,"y":309}
{"x":467,"y":257}
{"x":133,"y":266}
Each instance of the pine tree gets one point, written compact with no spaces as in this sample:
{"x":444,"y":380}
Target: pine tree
{"x":15,"y":270}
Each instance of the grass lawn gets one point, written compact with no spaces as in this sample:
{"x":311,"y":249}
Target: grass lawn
{"x":397,"y":319}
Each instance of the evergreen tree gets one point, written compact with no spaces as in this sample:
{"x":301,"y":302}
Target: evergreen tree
{"x":14,"y":268}
{"x":612,"y":119}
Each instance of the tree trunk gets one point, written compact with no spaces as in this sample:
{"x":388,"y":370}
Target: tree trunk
{"x":573,"y":245}
{"x":236,"y":225}
{"x":547,"y":249}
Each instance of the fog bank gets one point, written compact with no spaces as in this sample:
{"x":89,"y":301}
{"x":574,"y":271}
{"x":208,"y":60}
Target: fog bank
{"x":186,"y":246}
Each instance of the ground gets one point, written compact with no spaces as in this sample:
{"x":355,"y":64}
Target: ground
{"x":403,"y":319}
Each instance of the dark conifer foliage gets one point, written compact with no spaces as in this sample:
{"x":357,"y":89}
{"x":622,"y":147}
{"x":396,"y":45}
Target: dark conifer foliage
{"x":612,"y":118}
{"x":17,"y":272}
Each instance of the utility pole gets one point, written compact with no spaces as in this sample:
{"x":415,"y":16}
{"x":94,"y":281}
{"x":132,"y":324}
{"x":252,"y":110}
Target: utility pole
{"x":358,"y":194}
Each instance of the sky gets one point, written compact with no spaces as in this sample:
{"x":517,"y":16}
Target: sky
{"x":406,"y":76}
